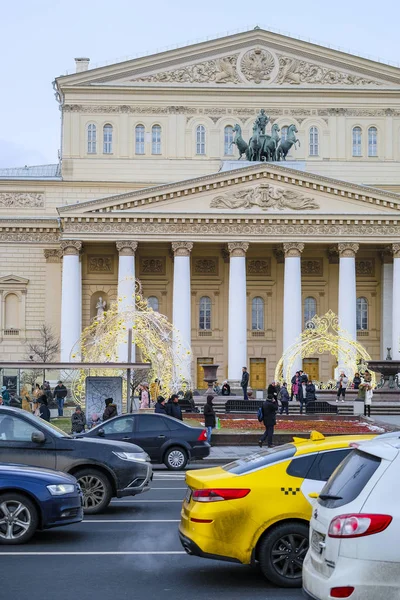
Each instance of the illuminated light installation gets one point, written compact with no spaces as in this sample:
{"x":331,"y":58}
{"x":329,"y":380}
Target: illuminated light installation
{"x":323,"y":334}
{"x":152,"y":333}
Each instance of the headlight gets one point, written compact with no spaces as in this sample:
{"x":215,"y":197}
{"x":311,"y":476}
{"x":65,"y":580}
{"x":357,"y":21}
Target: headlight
{"x":61,"y":489}
{"x":133,"y":456}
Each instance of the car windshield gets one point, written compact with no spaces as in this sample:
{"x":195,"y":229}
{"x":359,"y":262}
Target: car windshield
{"x":261,"y":459}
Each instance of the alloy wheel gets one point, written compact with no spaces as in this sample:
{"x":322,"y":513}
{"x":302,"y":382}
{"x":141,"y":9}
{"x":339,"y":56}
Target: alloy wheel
{"x":93,"y":490}
{"x":288,"y":554}
{"x":15,"y":519}
{"x":176,"y":459}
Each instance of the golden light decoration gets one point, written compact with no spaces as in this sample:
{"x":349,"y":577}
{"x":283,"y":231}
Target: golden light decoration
{"x":323,"y":334}
{"x":158,"y":341}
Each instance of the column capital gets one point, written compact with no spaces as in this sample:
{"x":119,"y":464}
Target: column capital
{"x":237,"y":248}
{"x":127,"y":248}
{"x":70,"y":247}
{"x":182,"y":248}
{"x":293,"y":249}
{"x":52,"y":255}
{"x":348,"y":249}
{"x":387,"y":255}
{"x":396,"y":250}
{"x":279,"y":255}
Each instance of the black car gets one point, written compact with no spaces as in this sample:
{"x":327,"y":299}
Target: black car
{"x":103,"y":468}
{"x":164,"y":439}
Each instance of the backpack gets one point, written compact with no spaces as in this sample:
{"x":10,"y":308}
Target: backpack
{"x":260,"y":414}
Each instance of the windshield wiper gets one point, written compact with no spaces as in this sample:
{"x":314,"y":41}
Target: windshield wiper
{"x":329,"y":497}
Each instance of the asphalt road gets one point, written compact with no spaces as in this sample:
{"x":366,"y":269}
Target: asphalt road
{"x":131,"y":551}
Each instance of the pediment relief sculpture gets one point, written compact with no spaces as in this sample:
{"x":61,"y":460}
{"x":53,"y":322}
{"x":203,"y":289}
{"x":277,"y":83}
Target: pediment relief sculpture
{"x":266,"y":197}
{"x":295,"y":72}
{"x":220,"y":70}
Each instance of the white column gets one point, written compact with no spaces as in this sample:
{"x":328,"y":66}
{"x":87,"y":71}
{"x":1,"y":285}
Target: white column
{"x":396,"y":303}
{"x":347,"y":302}
{"x":181,"y":313}
{"x":126,"y":288}
{"x":237,"y":313}
{"x":386,"y":304}
{"x":71,"y":298}
{"x":292,"y":304}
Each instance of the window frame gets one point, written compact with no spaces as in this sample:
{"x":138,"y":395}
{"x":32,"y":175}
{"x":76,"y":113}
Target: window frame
{"x":356,"y":143}
{"x":156,"y":143}
{"x":313,"y":141}
{"x":205,"y":313}
{"x":257,"y":310}
{"x":228,"y":140}
{"x":306,"y":309}
{"x":108,"y":135}
{"x":362,"y":316}
{"x":201,"y":139}
{"x":284,"y":132}
{"x":372,"y":144}
{"x":149,"y":303}
{"x":139,"y":143}
{"x":91,"y":138}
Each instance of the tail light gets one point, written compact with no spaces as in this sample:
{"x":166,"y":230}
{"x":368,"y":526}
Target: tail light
{"x":342,"y":592}
{"x":203,"y":437}
{"x":216,"y":495}
{"x":351,"y":526}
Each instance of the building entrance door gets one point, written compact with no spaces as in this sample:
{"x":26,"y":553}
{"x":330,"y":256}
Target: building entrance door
{"x":201,"y":384}
{"x":257,"y":373}
{"x":311,"y":367}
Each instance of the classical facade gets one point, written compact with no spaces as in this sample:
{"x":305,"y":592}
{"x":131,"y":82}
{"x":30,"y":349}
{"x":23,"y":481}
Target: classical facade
{"x":239,"y":255}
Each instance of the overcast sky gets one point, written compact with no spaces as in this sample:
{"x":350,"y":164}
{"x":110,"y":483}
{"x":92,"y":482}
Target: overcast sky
{"x":40,"y":39}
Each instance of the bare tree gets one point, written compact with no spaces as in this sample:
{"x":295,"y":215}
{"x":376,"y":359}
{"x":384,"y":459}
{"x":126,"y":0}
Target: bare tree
{"x":45,"y":349}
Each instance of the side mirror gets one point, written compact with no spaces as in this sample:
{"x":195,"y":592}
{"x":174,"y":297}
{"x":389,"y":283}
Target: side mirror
{"x":38,"y":437}
{"x":313,"y":495}
{"x":101,"y":432}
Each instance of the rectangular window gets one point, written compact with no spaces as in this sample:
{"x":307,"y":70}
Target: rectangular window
{"x":139,"y":139}
{"x":228,"y":141}
{"x":156,"y":140}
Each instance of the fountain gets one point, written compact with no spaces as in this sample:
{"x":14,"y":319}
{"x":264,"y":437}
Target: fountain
{"x":388,"y":368}
{"x":210,"y":377}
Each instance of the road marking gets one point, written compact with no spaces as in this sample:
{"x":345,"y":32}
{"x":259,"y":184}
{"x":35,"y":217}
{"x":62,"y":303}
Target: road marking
{"x":131,"y":521}
{"x":142,"y":501}
{"x":164,"y":488}
{"x":90,"y":553}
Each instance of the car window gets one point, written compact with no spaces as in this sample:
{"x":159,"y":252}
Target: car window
{"x":124,"y":425}
{"x":349,"y":480}
{"x":261,"y":459}
{"x":13,"y":429}
{"x":300,"y":466}
{"x":326,"y":463}
{"x":149,"y":423}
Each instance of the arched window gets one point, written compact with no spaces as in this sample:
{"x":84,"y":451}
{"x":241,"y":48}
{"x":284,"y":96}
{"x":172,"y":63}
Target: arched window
{"x":314,"y":141}
{"x":372,"y":141}
{"x":107,"y":139}
{"x":11,"y":316}
{"x":156,"y":139}
{"x":152,"y":302}
{"x":362,"y":314}
{"x":284,"y":132}
{"x":139,"y":139}
{"x":200,"y":139}
{"x":257,"y":314}
{"x":357,"y":141}
{"x":91,"y":138}
{"x":205,"y":313}
{"x":310,"y":308}
{"x":228,"y":139}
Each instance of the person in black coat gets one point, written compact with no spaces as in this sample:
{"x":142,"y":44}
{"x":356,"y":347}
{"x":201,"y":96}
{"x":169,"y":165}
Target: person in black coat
{"x":110,"y":410}
{"x":173,"y":408}
{"x":272,"y":391}
{"x":244,"y":383}
{"x":310,"y":392}
{"x":226,"y":389}
{"x":209,"y":417}
{"x":269,"y":409}
{"x":302,"y":395}
{"x":284,"y":398}
{"x":44,"y":410}
{"x":160,"y":406}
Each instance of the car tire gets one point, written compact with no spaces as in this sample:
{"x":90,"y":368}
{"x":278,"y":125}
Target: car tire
{"x":281,"y":553}
{"x":176,"y":458}
{"x":96,"y":489}
{"x":22,"y":530}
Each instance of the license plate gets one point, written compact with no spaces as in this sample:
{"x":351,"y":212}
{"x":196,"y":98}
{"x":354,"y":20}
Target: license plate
{"x":317,"y":540}
{"x":188,"y":495}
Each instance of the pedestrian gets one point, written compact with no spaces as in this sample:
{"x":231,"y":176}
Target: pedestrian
{"x":273,"y":391}
{"x":226,"y":389}
{"x":356,"y":381}
{"x":216,"y":388}
{"x":209,"y":417}
{"x":284,"y":398}
{"x":160,"y":406}
{"x":144,"y":397}
{"x":94,"y":421}
{"x":244,"y":383}
{"x":110,"y":410}
{"x":303,"y":376}
{"x":155,"y":389}
{"x":342,"y":385}
{"x":5,"y":395}
{"x":295,"y":381}
{"x":44,"y":411}
{"x":310,"y":392}
{"x":173,"y":409}
{"x":302,"y":394}
{"x":268,"y":410}
{"x":78,"y":421}
{"x":59,"y":394}
{"x":188,"y":397}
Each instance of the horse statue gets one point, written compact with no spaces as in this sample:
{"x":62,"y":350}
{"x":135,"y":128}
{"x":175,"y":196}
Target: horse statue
{"x":268,"y":150}
{"x":254,"y":150}
{"x":284,"y":147}
{"x":239,"y":142}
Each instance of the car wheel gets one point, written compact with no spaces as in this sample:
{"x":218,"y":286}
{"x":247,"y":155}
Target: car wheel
{"x":176,"y":458}
{"x":18,"y":518}
{"x":96,"y":489}
{"x":282,"y":552}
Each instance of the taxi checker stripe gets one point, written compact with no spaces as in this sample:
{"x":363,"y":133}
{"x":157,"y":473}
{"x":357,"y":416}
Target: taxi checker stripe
{"x":290,"y":490}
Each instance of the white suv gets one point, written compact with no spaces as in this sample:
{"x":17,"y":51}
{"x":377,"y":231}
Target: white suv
{"x":355,"y":529}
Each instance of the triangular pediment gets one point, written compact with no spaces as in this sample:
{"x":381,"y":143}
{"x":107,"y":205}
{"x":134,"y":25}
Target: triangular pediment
{"x":259,"y":189}
{"x":13,"y":280}
{"x":254,"y":58}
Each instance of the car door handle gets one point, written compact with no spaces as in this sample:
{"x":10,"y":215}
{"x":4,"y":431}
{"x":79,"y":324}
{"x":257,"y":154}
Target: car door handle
{"x":126,"y":438}
{"x":161,"y":437}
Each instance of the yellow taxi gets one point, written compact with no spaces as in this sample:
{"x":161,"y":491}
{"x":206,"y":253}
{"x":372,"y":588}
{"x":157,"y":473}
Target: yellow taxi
{"x":257,"y":509}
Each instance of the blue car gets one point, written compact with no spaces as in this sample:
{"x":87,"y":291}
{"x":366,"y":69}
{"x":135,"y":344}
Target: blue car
{"x":33,"y":498}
